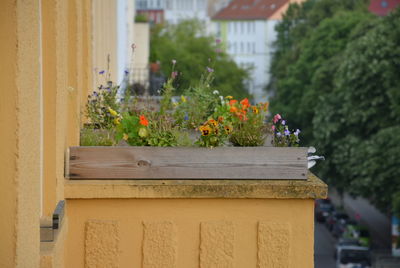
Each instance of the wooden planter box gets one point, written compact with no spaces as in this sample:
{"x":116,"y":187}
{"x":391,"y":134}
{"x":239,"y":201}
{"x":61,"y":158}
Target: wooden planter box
{"x":128,"y":162}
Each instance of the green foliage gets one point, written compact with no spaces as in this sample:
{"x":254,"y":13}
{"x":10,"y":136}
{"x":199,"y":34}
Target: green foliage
{"x":96,"y":137}
{"x":100,"y":106}
{"x":197,"y":103}
{"x":335,"y":75}
{"x":141,"y":18}
{"x":193,"y":50}
{"x":251,"y":131}
{"x":162,"y":133}
{"x":132,"y":130}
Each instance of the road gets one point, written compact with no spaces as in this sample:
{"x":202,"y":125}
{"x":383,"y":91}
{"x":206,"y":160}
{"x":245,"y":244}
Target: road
{"x":323,"y":247}
{"x":378,"y":224}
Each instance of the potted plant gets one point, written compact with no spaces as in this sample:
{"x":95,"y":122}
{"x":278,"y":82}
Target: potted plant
{"x":200,"y":135}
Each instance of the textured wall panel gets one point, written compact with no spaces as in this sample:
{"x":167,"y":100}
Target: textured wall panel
{"x":273,"y":245}
{"x":101,"y":244}
{"x":217,"y":244}
{"x":159,"y":244}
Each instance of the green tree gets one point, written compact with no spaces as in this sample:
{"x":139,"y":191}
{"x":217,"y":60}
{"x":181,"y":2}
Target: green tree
{"x":335,"y":74}
{"x":194,"y":51}
{"x":361,"y":116}
{"x":310,"y":40}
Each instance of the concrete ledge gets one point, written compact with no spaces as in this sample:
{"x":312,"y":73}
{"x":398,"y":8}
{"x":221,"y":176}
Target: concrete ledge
{"x":312,"y":188}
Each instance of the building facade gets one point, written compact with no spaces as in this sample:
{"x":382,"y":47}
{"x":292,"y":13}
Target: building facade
{"x":46,"y":71}
{"x":247,"y":31}
{"x":172,"y":11}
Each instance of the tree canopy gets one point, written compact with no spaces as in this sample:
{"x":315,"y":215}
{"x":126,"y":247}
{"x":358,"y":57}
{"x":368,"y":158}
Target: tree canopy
{"x":194,"y":51}
{"x":336,"y":76}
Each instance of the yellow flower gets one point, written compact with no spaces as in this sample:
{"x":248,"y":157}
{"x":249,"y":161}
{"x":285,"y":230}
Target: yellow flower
{"x":228,"y":129}
{"x":229,"y":97}
{"x":255,"y":109}
{"x":117,"y":121}
{"x":205,"y":130}
{"x":213,"y":122}
{"x":183,"y":98}
{"x":125,"y":137}
{"x":112,"y":112}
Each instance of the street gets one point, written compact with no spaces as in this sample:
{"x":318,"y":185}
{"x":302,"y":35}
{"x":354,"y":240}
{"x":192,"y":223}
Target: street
{"x":323,"y":247}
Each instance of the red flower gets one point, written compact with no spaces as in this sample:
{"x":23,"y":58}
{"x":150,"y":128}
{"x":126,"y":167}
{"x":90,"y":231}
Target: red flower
{"x":143,"y":121}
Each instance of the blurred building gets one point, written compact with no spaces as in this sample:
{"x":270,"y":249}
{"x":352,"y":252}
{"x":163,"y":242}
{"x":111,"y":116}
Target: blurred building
{"x":172,"y":11}
{"x":247,"y":31}
{"x":214,"y":6}
{"x":382,"y":7}
{"x":153,"y":10}
{"x":113,"y":35}
{"x":139,"y":70}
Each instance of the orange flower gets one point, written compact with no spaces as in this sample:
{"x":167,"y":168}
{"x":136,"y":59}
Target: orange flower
{"x":233,"y":109}
{"x":232,"y":102}
{"x":245,"y":103}
{"x":265,"y":106}
{"x":143,"y":121}
{"x":220,"y":119}
{"x":243,"y":117}
{"x":213,"y":122}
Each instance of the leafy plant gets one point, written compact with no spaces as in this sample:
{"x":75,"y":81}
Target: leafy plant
{"x":96,"y":137}
{"x":283,"y":137}
{"x":133,"y":129}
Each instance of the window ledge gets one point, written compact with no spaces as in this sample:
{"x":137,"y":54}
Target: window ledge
{"x":312,"y":188}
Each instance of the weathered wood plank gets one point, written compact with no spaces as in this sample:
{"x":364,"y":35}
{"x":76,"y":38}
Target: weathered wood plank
{"x":187,"y":163}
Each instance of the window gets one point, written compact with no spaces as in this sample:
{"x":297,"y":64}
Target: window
{"x":248,"y":27}
{"x":234,"y":26}
{"x":254,"y":48}
{"x":241,"y":47}
{"x":218,"y":29}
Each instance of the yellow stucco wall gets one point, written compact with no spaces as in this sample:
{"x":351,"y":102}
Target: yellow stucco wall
{"x":39,"y":115}
{"x":104,"y":25}
{"x":190,"y":233}
{"x":20,"y":133}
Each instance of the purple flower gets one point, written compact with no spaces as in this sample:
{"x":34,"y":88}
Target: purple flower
{"x":95,"y":94}
{"x":186,"y":117}
{"x":126,"y":72}
{"x":101,"y":72}
{"x":287,"y":132}
{"x":210,"y":70}
{"x":173,"y":62}
{"x":218,"y":41}
{"x":278,"y":134}
{"x":297,"y":132}
{"x":283,"y":122}
{"x":174,"y":74}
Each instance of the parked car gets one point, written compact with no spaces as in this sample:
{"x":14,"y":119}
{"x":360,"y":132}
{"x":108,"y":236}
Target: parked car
{"x":358,"y":232}
{"x":336,"y":217}
{"x":353,"y":257}
{"x":343,"y":242}
{"x":323,"y":208}
{"x":340,"y":227}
